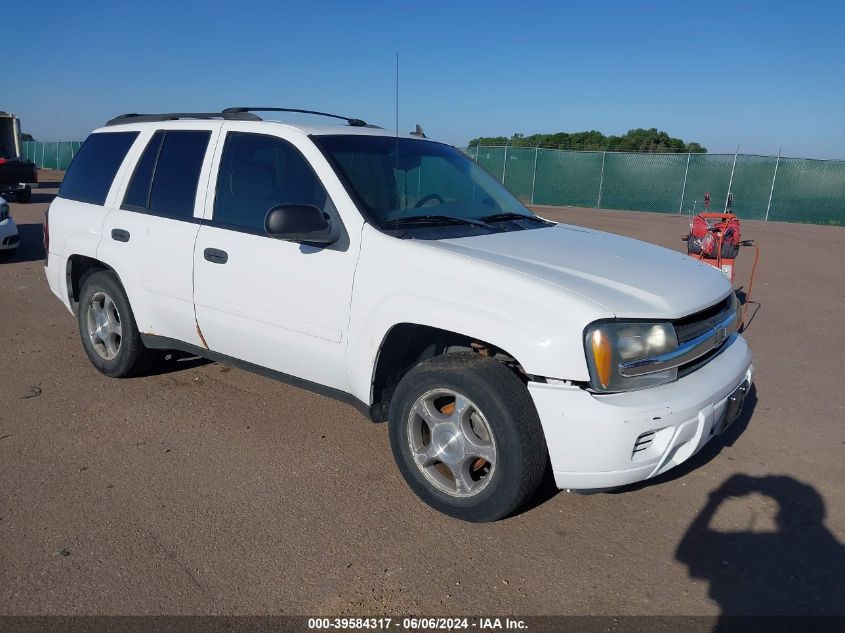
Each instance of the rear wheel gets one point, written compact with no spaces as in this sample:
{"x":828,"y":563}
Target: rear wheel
{"x":107,"y":327}
{"x":466,"y":437}
{"x":24,"y":195}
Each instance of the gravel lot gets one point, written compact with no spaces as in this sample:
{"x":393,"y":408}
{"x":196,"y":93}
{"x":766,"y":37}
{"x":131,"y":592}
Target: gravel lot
{"x":205,"y":489}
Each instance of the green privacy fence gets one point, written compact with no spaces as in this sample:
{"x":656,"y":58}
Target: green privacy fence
{"x":50,"y":155}
{"x":764,"y":187}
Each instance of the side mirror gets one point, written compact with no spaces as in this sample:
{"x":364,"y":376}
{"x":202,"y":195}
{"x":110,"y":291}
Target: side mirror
{"x":299,"y":223}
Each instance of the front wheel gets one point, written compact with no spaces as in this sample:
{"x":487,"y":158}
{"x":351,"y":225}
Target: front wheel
{"x":466,"y":437}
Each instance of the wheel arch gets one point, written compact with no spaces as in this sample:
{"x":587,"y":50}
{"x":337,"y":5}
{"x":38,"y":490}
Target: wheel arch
{"x":406,"y":344}
{"x":78,"y":267}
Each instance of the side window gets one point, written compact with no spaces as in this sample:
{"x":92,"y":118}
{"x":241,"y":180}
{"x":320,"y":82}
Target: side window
{"x":177,"y":173}
{"x":258,"y":172}
{"x":138,"y":193}
{"x":90,"y":175}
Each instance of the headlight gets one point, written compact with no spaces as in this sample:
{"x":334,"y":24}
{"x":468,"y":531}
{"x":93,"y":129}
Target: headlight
{"x":609,"y":343}
{"x":4,"y":210}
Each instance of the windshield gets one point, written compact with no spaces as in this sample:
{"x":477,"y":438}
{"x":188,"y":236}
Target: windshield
{"x":424,"y":179}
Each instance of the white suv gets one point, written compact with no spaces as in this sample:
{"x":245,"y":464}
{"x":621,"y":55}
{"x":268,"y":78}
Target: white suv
{"x":394,"y":273}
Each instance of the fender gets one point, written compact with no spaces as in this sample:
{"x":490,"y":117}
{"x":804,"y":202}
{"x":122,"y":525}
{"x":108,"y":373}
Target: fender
{"x":75,"y":229}
{"x":538,"y":323}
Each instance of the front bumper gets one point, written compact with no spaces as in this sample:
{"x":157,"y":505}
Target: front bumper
{"x":604,"y":441}
{"x":9,"y":238}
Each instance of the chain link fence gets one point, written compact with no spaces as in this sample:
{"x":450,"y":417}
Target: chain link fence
{"x":764,"y":187}
{"x":50,"y":155}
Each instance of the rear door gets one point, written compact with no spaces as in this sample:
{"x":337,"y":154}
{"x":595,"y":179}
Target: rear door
{"x":277,"y":304}
{"x":150,"y":237}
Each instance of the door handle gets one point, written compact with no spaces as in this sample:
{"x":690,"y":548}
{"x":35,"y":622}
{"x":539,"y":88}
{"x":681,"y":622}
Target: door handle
{"x":120,"y":235}
{"x":215,"y":256}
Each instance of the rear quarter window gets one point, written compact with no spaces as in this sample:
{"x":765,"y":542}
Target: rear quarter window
{"x":93,"y":169}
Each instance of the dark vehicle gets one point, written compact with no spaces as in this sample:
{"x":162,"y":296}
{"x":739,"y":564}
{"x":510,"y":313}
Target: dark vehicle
{"x":16,"y":174}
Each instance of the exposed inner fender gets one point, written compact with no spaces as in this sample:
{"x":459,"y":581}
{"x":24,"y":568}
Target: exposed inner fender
{"x":408,"y":344}
{"x":78,"y":268}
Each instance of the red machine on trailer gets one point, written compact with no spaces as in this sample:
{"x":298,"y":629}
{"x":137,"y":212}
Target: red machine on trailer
{"x":715,"y":238}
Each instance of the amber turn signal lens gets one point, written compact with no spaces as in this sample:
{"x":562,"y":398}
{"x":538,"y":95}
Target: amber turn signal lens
{"x":602,"y":356}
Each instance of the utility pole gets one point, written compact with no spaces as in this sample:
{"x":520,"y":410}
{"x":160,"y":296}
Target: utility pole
{"x":505,"y":162}
{"x":772,"y":190}
{"x":684,"y":190}
{"x":534,"y":175}
{"x":731,"y":181}
{"x":601,"y":178}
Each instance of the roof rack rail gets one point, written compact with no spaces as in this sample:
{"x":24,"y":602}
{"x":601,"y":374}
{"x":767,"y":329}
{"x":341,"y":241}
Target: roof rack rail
{"x":350,"y":120}
{"x":175,"y":116}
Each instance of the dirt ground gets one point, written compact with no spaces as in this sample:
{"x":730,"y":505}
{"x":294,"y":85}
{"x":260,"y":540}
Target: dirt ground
{"x":205,"y":489}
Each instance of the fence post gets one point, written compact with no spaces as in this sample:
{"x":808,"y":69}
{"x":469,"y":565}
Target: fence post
{"x":57,"y":154}
{"x":505,"y":162}
{"x":601,"y":178}
{"x":772,"y":190}
{"x":684,"y":190}
{"x":731,"y":181}
{"x":476,"y":152}
{"x":534,"y":175}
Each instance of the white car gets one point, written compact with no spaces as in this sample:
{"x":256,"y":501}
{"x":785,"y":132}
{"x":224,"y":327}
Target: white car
{"x":9,"y":238}
{"x":394,"y":273}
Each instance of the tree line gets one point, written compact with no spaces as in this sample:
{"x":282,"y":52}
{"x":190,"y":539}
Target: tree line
{"x":637,"y":140}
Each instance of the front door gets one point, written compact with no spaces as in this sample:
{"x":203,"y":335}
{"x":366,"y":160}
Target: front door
{"x":280,"y":305}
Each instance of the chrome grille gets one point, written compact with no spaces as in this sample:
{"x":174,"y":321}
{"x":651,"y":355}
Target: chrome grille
{"x":687,"y":369}
{"x":701,"y":322}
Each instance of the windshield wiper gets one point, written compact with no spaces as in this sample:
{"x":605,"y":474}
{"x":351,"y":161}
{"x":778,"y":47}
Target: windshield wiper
{"x":434,"y":220}
{"x":509,"y":215}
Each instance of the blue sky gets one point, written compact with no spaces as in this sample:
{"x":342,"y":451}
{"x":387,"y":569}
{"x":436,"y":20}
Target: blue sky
{"x":762,"y":75}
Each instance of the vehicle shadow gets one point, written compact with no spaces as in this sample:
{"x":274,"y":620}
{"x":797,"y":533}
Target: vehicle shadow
{"x":783,"y":561}
{"x":174,"y":361}
{"x":30,"y":247}
{"x":547,"y":491}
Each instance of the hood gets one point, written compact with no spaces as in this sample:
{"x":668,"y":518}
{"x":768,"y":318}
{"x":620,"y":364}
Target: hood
{"x":626,"y":276}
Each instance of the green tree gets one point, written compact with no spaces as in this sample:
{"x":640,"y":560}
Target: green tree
{"x":635,"y":140}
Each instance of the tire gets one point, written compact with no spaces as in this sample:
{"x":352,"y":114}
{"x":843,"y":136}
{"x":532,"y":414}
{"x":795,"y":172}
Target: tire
{"x":24,"y":195}
{"x":500,"y":453}
{"x":107,"y":327}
